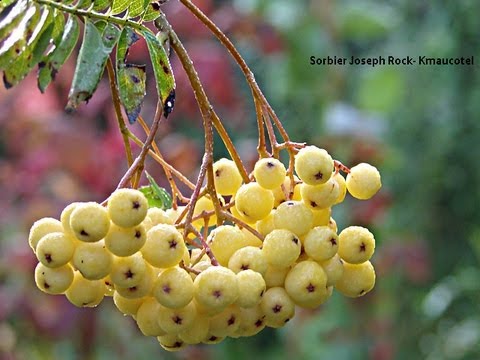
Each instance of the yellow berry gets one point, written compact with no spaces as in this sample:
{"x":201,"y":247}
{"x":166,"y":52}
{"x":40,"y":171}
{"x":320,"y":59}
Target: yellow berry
{"x":253,"y":201}
{"x":321,"y":243}
{"x":128,"y":271}
{"x":356,"y":280}
{"x":251,"y":287}
{"x":281,"y":248}
{"x":227,"y":178}
{"x":321,"y":217}
{"x":363,"y":181}
{"x":275,"y":276}
{"x":342,"y":186}
{"x":175,"y":320}
{"x":306,"y":284}
{"x":42,"y":227}
{"x":93,"y":260}
{"x":266,"y":225}
{"x":164,"y":246}
{"x":197,"y":332}
{"x":53,"y":281}
{"x":251,"y":239}
{"x":277,"y":306}
{"x":65,"y":218}
{"x":127,"y":306}
{"x":159,"y":216}
{"x":89,"y":222}
{"x":313,"y":166}
{"x":294,"y":216}
{"x":252,"y":321}
{"x":225,"y":323}
{"x":248,"y":257}
{"x":55,"y":249}
{"x":85,"y":293}
{"x":122,"y":241}
{"x":224,"y":241}
{"x":171,"y":342}
{"x":146,"y":318}
{"x":173,"y":288}
{"x":140,"y":290}
{"x":127,"y":207}
{"x":320,"y":196}
{"x":269,"y":173}
{"x":333,"y":268}
{"x":281,"y":192}
{"x":216,"y":287}
{"x":356,"y":244}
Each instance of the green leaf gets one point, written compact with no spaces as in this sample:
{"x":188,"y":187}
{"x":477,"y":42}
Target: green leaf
{"x":6,"y":3}
{"x":52,"y":63}
{"x":156,"y":195}
{"x":137,"y":7}
{"x":162,"y":70}
{"x":99,"y":5}
{"x":131,"y":79}
{"x":11,"y":17}
{"x":83,"y":4}
{"x":33,"y":52}
{"x":119,"y":6}
{"x":93,"y":55}
{"x":152,"y":12}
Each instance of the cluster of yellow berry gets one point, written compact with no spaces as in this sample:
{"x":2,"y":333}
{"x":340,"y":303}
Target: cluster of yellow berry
{"x":286,"y":254}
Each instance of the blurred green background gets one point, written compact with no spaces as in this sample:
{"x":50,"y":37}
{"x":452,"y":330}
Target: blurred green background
{"x":418,"y":124}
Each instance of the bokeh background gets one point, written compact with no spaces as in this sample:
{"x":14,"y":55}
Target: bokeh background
{"x":418,"y":124}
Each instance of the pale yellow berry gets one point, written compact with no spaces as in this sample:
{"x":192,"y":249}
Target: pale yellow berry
{"x":216,"y":287}
{"x":173,"y":288}
{"x":122,"y":241}
{"x":356,"y":280}
{"x":175,"y":320}
{"x":197,"y":332}
{"x":140,"y":290}
{"x":164,"y":246}
{"x":333,"y":269}
{"x":55,"y":249}
{"x":227,"y":178}
{"x":281,"y":248}
{"x":313,"y":166}
{"x":200,"y":266}
{"x":277,"y":306}
{"x":53,"y":281}
{"x":342,"y":187}
{"x":321,"y":217}
{"x":128,"y":271}
{"x":363,"y":181}
{"x":251,"y":239}
{"x":332,"y":224}
{"x":171,"y":342}
{"x":306,"y":284}
{"x":212,"y":339}
{"x":174,"y":214}
{"x":275,"y":276}
{"x":65,"y":218}
{"x":224,"y":241}
{"x":294,"y":216}
{"x":204,"y":205}
{"x":320,"y":196}
{"x":269,"y":173}
{"x":146,"y":318}
{"x":127,"y":306}
{"x":93,"y":260}
{"x":251,"y":287}
{"x":248,"y":257}
{"x":42,"y":227}
{"x":253,"y":201}
{"x":266,"y":225}
{"x":159,"y":216}
{"x":225,"y":323}
{"x":85,"y":293}
{"x":89,"y":222}
{"x":252,"y":321}
{"x":240,"y":216}
{"x":109,"y":286}
{"x":281,"y":193}
{"x":356,"y":244}
{"x":127,"y":207}
{"x":321,"y":243}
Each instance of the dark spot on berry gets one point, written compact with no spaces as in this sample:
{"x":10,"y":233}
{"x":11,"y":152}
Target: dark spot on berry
{"x":217,"y":173}
{"x":177,"y":320}
{"x":318,"y":176}
{"x":231,"y":321}
{"x":313,"y":204}
{"x":173,"y":244}
{"x":270,"y":164}
{"x":363,"y":247}
{"x":244,"y":267}
{"x":310,"y":288}
{"x":132,"y":289}
{"x":129,"y":274}
{"x":290,"y":203}
{"x":362,"y":292}
{"x":287,"y":320}
{"x":333,"y":241}
{"x":262,"y":292}
{"x":81,"y":261}
{"x":135,"y":205}
{"x":177,"y":344}
{"x":244,"y":213}
{"x":83,"y":233}
{"x":46,"y":285}
{"x":259,"y":323}
{"x":295,"y":240}
{"x":277,"y":308}
{"x":138,"y":234}
{"x":217,"y":293}
{"x":48,"y":258}
{"x":166,"y":289}
{"x":212,"y":338}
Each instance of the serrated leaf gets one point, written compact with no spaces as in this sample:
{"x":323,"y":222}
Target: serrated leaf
{"x":131,"y":79}
{"x":10,"y":17}
{"x":54,"y":60}
{"x":156,"y":195}
{"x":119,"y":6}
{"x":137,"y":7}
{"x":32,"y":53}
{"x":94,"y":52}
{"x":99,"y":5}
{"x":162,"y":70}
